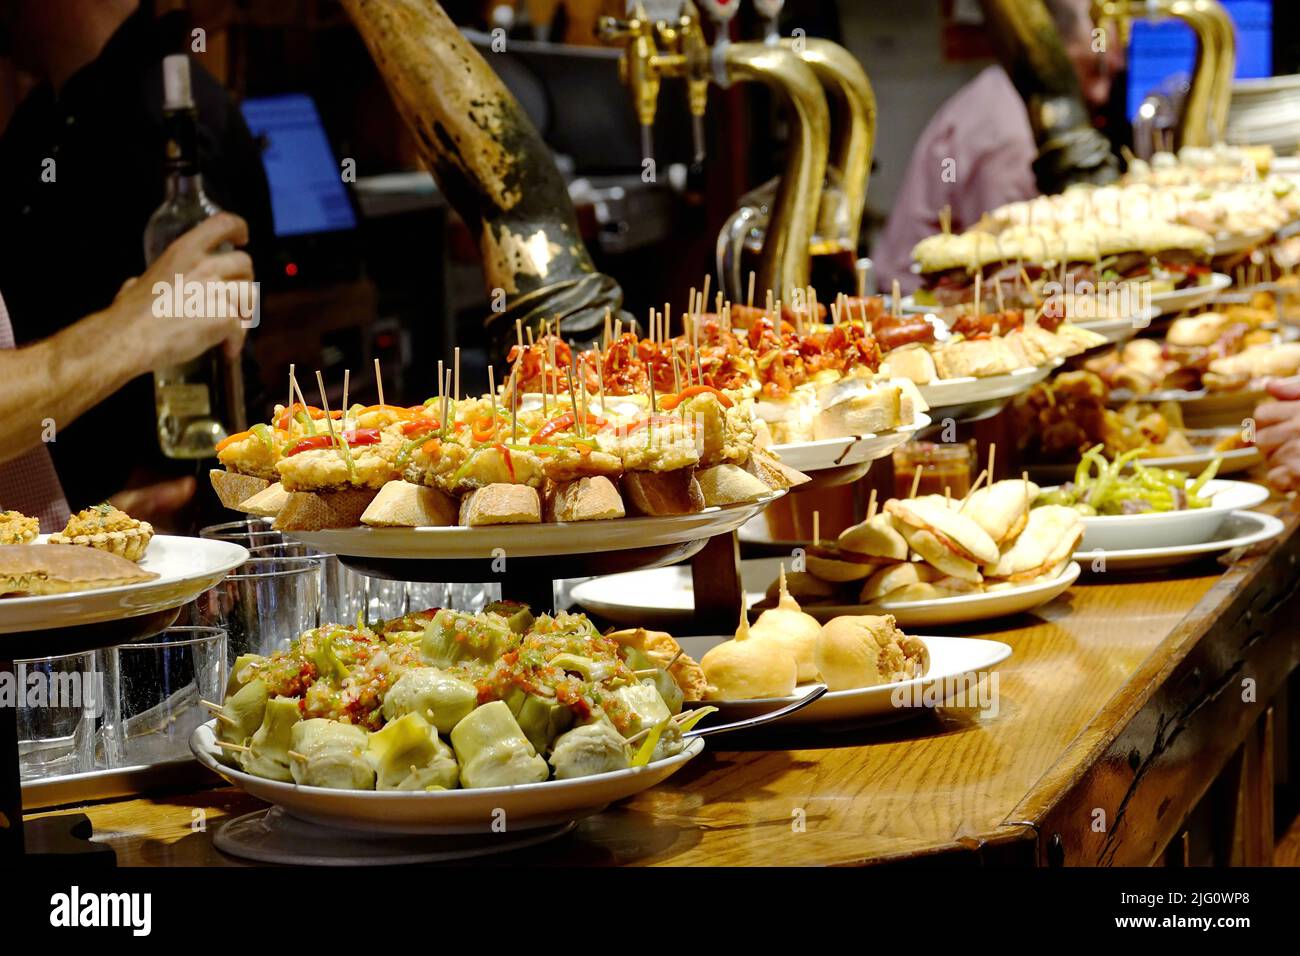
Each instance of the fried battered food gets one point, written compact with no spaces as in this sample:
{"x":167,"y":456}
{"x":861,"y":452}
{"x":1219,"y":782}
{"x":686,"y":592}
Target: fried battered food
{"x":17,"y":528}
{"x":106,"y":528}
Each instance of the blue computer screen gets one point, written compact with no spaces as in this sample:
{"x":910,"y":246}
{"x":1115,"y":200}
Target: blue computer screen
{"x":307,"y":191}
{"x":1161,"y":51}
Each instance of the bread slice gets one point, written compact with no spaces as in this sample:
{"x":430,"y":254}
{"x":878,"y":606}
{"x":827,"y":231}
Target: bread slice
{"x":316,"y":511}
{"x":501,"y":503}
{"x":881,"y":409}
{"x":267,"y":503}
{"x":591,"y":498}
{"x":233,"y":488}
{"x":774,"y":473}
{"x":729,"y":485}
{"x":401,"y":504}
{"x":913,"y":362}
{"x":660,"y":493}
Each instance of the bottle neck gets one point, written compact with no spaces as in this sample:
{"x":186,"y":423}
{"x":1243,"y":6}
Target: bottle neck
{"x":181,"y":156}
{"x":184,"y":186}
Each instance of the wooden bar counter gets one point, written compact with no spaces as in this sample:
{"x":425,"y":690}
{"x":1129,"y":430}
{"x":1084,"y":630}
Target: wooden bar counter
{"x":1132,"y":707}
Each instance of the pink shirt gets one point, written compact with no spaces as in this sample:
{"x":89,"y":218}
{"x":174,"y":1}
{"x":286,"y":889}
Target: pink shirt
{"x":975,"y":154}
{"x":29,"y":483}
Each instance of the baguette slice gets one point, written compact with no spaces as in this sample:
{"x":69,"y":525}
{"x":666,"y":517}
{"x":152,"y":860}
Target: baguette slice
{"x":591,"y":498}
{"x":658,"y":493}
{"x":774,"y":473}
{"x":729,"y":485}
{"x":401,"y":504}
{"x":267,"y":503}
{"x":316,"y":511}
{"x":501,"y":504}
{"x":233,"y":488}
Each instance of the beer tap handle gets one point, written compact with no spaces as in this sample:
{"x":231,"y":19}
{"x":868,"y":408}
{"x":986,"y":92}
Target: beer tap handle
{"x":638,"y":67}
{"x":770,"y":11}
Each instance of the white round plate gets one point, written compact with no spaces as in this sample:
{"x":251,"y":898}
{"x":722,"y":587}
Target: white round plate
{"x":1179,"y":300}
{"x":1233,"y":460}
{"x":956,"y":666}
{"x":852,"y":450}
{"x":953,"y":392}
{"x":1240,"y":529}
{"x":526,"y":807}
{"x":273,"y":836}
{"x":1222,"y":409}
{"x":1226,"y":244}
{"x":186,"y":567}
{"x":1171,"y":529}
{"x":664,"y":598}
{"x":1115,"y":331}
{"x":960,"y":608}
{"x":533,"y":540}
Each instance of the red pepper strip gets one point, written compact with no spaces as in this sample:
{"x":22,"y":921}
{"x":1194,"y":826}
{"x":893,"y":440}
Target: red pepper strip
{"x":672,"y":401}
{"x":484,"y":429}
{"x":397,"y":410}
{"x":563,"y":423}
{"x":505,"y":455}
{"x":362,"y":436}
{"x":418,"y":425}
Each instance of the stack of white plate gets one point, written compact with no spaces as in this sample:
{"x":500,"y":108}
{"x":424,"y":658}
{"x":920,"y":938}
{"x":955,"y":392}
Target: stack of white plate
{"x":1266,"y":112}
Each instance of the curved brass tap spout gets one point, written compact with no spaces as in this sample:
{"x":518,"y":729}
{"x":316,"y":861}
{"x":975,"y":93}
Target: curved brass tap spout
{"x":853,"y":129}
{"x":1205,"y":109}
{"x":783,"y":265}
{"x":492,"y":165}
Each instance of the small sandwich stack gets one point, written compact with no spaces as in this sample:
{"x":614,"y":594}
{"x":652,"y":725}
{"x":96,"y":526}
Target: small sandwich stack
{"x":922,"y":548}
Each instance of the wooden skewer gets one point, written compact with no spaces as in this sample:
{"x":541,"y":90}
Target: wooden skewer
{"x":347,"y":380}
{"x":492,"y":391}
{"x":573,"y":402}
{"x":455,"y":364}
{"x":379,"y":381}
{"x":227,"y":745}
{"x":817,"y":528}
{"x":704,"y":295}
{"x":514,"y":406}
{"x":329,"y":422}
{"x":871,"y":505}
{"x":289,"y":407}
{"x":605,"y":341}
{"x":993,"y":450}
{"x":749,"y":299}
{"x":297,"y":756}
{"x":916,"y":480}
{"x":978,"y":296}
{"x":897,"y":290}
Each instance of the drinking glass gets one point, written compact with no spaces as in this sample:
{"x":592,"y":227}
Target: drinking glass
{"x":156,"y":692}
{"x":250,"y":532}
{"x":59,"y":701}
{"x":263,"y":604}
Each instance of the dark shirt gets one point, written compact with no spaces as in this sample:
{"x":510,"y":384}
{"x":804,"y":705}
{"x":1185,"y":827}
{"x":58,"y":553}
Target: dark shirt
{"x":67,"y":246}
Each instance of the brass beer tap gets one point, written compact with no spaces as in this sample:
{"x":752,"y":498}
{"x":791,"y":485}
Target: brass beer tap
{"x":675,"y":47}
{"x":1205,"y":110}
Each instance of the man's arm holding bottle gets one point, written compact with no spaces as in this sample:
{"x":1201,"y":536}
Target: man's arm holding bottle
{"x":59,"y":378}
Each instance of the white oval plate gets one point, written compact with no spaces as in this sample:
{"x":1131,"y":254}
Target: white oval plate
{"x":956,"y":665}
{"x":952,"y":392}
{"x":960,"y":608}
{"x":1171,"y":529}
{"x":526,"y":807}
{"x":1240,"y":529}
{"x":664,"y":598}
{"x":851,"y":450}
{"x":186,"y":567}
{"x":534,"y":540}
{"x":1179,"y":300}
{"x":1233,"y":461}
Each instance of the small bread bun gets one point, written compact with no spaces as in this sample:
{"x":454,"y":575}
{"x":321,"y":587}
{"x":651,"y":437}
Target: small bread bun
{"x":863,"y":651}
{"x":501,"y":504}
{"x":941,"y":556}
{"x":894,"y":577}
{"x":748,"y":668}
{"x":876,"y":537}
{"x":804,"y":587}
{"x":831,"y":564}
{"x":788,"y":626}
{"x":729,"y":485}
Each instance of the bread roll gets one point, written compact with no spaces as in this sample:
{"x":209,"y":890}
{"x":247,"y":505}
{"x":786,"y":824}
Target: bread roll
{"x":876,"y":537}
{"x":232,"y":488}
{"x":867,"y":650}
{"x":591,"y":498}
{"x":748,"y":668}
{"x":501,"y":504}
{"x":401,"y":504}
{"x":663,"y":492}
{"x":729,"y":485}
{"x":786,"y":625}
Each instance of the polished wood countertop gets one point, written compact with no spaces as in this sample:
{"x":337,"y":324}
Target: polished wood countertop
{"x":1120,"y":697}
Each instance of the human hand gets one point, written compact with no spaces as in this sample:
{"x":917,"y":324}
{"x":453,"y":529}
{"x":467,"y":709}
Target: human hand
{"x":1277,"y":433}
{"x":168,"y":339}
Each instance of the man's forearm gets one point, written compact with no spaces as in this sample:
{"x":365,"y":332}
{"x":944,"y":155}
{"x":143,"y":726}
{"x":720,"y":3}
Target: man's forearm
{"x":56,"y":380}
